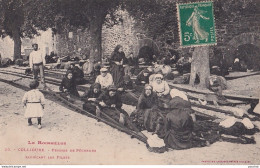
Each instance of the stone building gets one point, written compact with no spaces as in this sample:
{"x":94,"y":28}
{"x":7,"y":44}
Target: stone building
{"x":240,"y":35}
{"x":232,"y":35}
{"x":74,"y":42}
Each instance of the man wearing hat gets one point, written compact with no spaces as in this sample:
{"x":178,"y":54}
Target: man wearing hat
{"x":104,"y":79}
{"x":37,"y":63}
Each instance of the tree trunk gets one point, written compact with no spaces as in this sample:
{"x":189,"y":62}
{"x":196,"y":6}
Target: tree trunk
{"x":17,"y":43}
{"x":200,"y":66}
{"x":95,"y":31}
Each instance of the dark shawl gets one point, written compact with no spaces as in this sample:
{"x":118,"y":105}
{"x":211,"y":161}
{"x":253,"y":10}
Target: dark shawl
{"x":147,"y":102}
{"x":69,"y":84}
{"x":90,"y":93}
{"x":140,"y":77}
{"x":110,"y":100}
{"x":179,"y":124}
{"x":117,"y":71}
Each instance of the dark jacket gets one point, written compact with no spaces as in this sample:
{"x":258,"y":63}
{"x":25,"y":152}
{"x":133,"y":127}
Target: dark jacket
{"x":128,"y":84}
{"x":110,"y":100}
{"x":140,"y":77}
{"x":147,"y":102}
{"x":118,"y":56}
{"x":77,"y":73}
{"x":179,"y":124}
{"x":90,"y":93}
{"x":69,"y":84}
{"x":131,"y":61}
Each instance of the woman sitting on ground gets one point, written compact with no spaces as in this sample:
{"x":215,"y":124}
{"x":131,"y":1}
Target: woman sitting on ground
{"x":160,"y":87}
{"x":78,"y":75}
{"x":90,"y":98}
{"x":110,"y":103}
{"x":147,"y":101}
{"x":68,"y":84}
{"x":179,"y":122}
{"x":143,"y":77}
{"x":128,"y":84}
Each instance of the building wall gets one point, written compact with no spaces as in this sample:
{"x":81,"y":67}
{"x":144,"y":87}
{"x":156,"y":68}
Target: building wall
{"x":122,"y":33}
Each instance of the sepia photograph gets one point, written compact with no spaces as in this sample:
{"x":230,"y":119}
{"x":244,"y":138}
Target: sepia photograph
{"x":129,"y":82}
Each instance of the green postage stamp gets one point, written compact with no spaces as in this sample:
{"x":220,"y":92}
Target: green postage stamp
{"x":196,"y":24}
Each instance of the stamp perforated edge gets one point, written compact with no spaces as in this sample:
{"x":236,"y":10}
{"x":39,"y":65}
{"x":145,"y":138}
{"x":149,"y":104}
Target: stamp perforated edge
{"x":179,"y":25}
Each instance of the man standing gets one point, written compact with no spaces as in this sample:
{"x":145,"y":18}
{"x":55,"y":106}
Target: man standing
{"x":37,"y":62}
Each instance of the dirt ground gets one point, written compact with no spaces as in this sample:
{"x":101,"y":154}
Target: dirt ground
{"x":94,"y":142}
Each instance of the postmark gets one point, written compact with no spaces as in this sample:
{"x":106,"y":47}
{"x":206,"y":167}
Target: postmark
{"x":196,"y":24}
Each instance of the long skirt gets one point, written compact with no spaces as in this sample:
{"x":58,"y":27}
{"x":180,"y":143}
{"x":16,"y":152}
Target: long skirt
{"x":111,"y":112}
{"x":117,"y":72}
{"x":118,"y":115}
{"x":33,"y":110}
{"x":178,"y":141}
{"x":149,"y":119}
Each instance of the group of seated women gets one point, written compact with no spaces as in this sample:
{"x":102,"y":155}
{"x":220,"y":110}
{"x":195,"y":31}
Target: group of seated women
{"x":171,"y":120}
{"x":160,"y":110}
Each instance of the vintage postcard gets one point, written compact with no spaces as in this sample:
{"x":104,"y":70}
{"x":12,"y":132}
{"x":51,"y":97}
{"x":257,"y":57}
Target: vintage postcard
{"x":147,"y":82}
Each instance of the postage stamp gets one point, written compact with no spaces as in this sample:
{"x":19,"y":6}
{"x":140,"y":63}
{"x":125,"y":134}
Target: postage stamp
{"x":196,"y":24}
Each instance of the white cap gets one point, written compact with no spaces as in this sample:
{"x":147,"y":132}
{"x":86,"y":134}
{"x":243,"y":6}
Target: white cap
{"x":103,"y":70}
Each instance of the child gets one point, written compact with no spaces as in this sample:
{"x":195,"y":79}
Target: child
{"x":33,"y":100}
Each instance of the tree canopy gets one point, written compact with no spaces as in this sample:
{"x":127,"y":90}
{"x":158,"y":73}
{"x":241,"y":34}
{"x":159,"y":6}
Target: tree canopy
{"x":23,"y":18}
